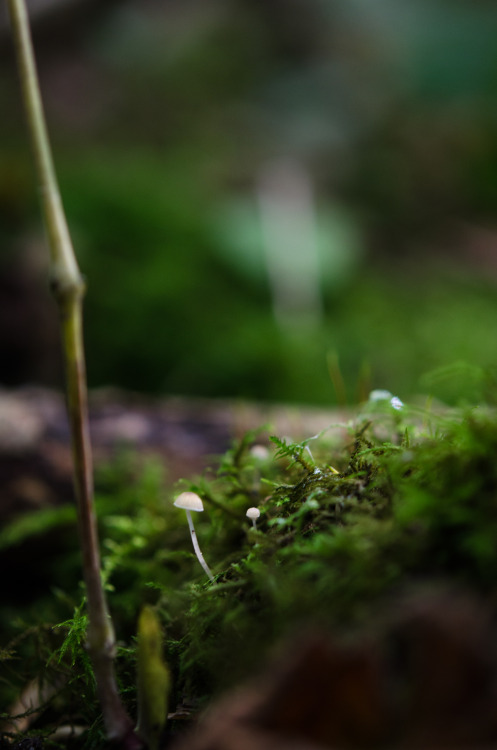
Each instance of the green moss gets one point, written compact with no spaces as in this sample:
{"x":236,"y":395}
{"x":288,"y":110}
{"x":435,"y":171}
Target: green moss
{"x":347,"y":519}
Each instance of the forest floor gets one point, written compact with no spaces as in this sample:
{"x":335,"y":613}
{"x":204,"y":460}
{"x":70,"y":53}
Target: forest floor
{"x":365,"y":596}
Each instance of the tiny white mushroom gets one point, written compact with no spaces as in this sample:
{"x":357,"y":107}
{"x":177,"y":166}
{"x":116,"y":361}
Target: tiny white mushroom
{"x":381,"y":395}
{"x":259,"y":452}
{"x":253,"y":514}
{"x":189,"y":501}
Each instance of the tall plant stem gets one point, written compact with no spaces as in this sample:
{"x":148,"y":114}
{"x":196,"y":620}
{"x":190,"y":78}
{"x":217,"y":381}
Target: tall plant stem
{"x":68,"y":288}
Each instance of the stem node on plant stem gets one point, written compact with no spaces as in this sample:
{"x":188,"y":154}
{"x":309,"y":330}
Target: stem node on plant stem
{"x":66,"y":290}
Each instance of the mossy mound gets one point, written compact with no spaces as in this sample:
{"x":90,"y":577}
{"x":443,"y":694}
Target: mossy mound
{"x":349,"y":520}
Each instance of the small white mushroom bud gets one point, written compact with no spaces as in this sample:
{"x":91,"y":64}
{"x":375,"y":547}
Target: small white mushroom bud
{"x":259,"y":452}
{"x":189,"y":501}
{"x":253,"y":514}
{"x":381,"y":395}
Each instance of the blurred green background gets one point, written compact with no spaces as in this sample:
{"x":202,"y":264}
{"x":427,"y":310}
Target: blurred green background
{"x":266,"y":196}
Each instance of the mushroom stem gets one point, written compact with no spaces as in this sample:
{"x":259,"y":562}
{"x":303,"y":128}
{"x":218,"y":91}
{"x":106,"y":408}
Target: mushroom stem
{"x":196,"y":546}
{"x":253,"y":514}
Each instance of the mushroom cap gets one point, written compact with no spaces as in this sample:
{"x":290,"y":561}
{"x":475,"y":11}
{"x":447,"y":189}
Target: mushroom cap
{"x":253,"y":513}
{"x":380,"y":395}
{"x":189,"y":501}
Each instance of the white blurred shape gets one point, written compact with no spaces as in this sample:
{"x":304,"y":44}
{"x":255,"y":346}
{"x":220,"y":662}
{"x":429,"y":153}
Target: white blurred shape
{"x":290,"y":243}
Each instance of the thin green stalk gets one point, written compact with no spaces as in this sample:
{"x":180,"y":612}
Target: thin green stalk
{"x":68,"y":288}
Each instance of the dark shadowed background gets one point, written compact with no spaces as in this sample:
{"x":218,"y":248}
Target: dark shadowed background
{"x":266,"y":196}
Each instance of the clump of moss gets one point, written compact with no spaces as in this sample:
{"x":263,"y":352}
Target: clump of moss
{"x":348,"y":518}
{"x":410,"y":503}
